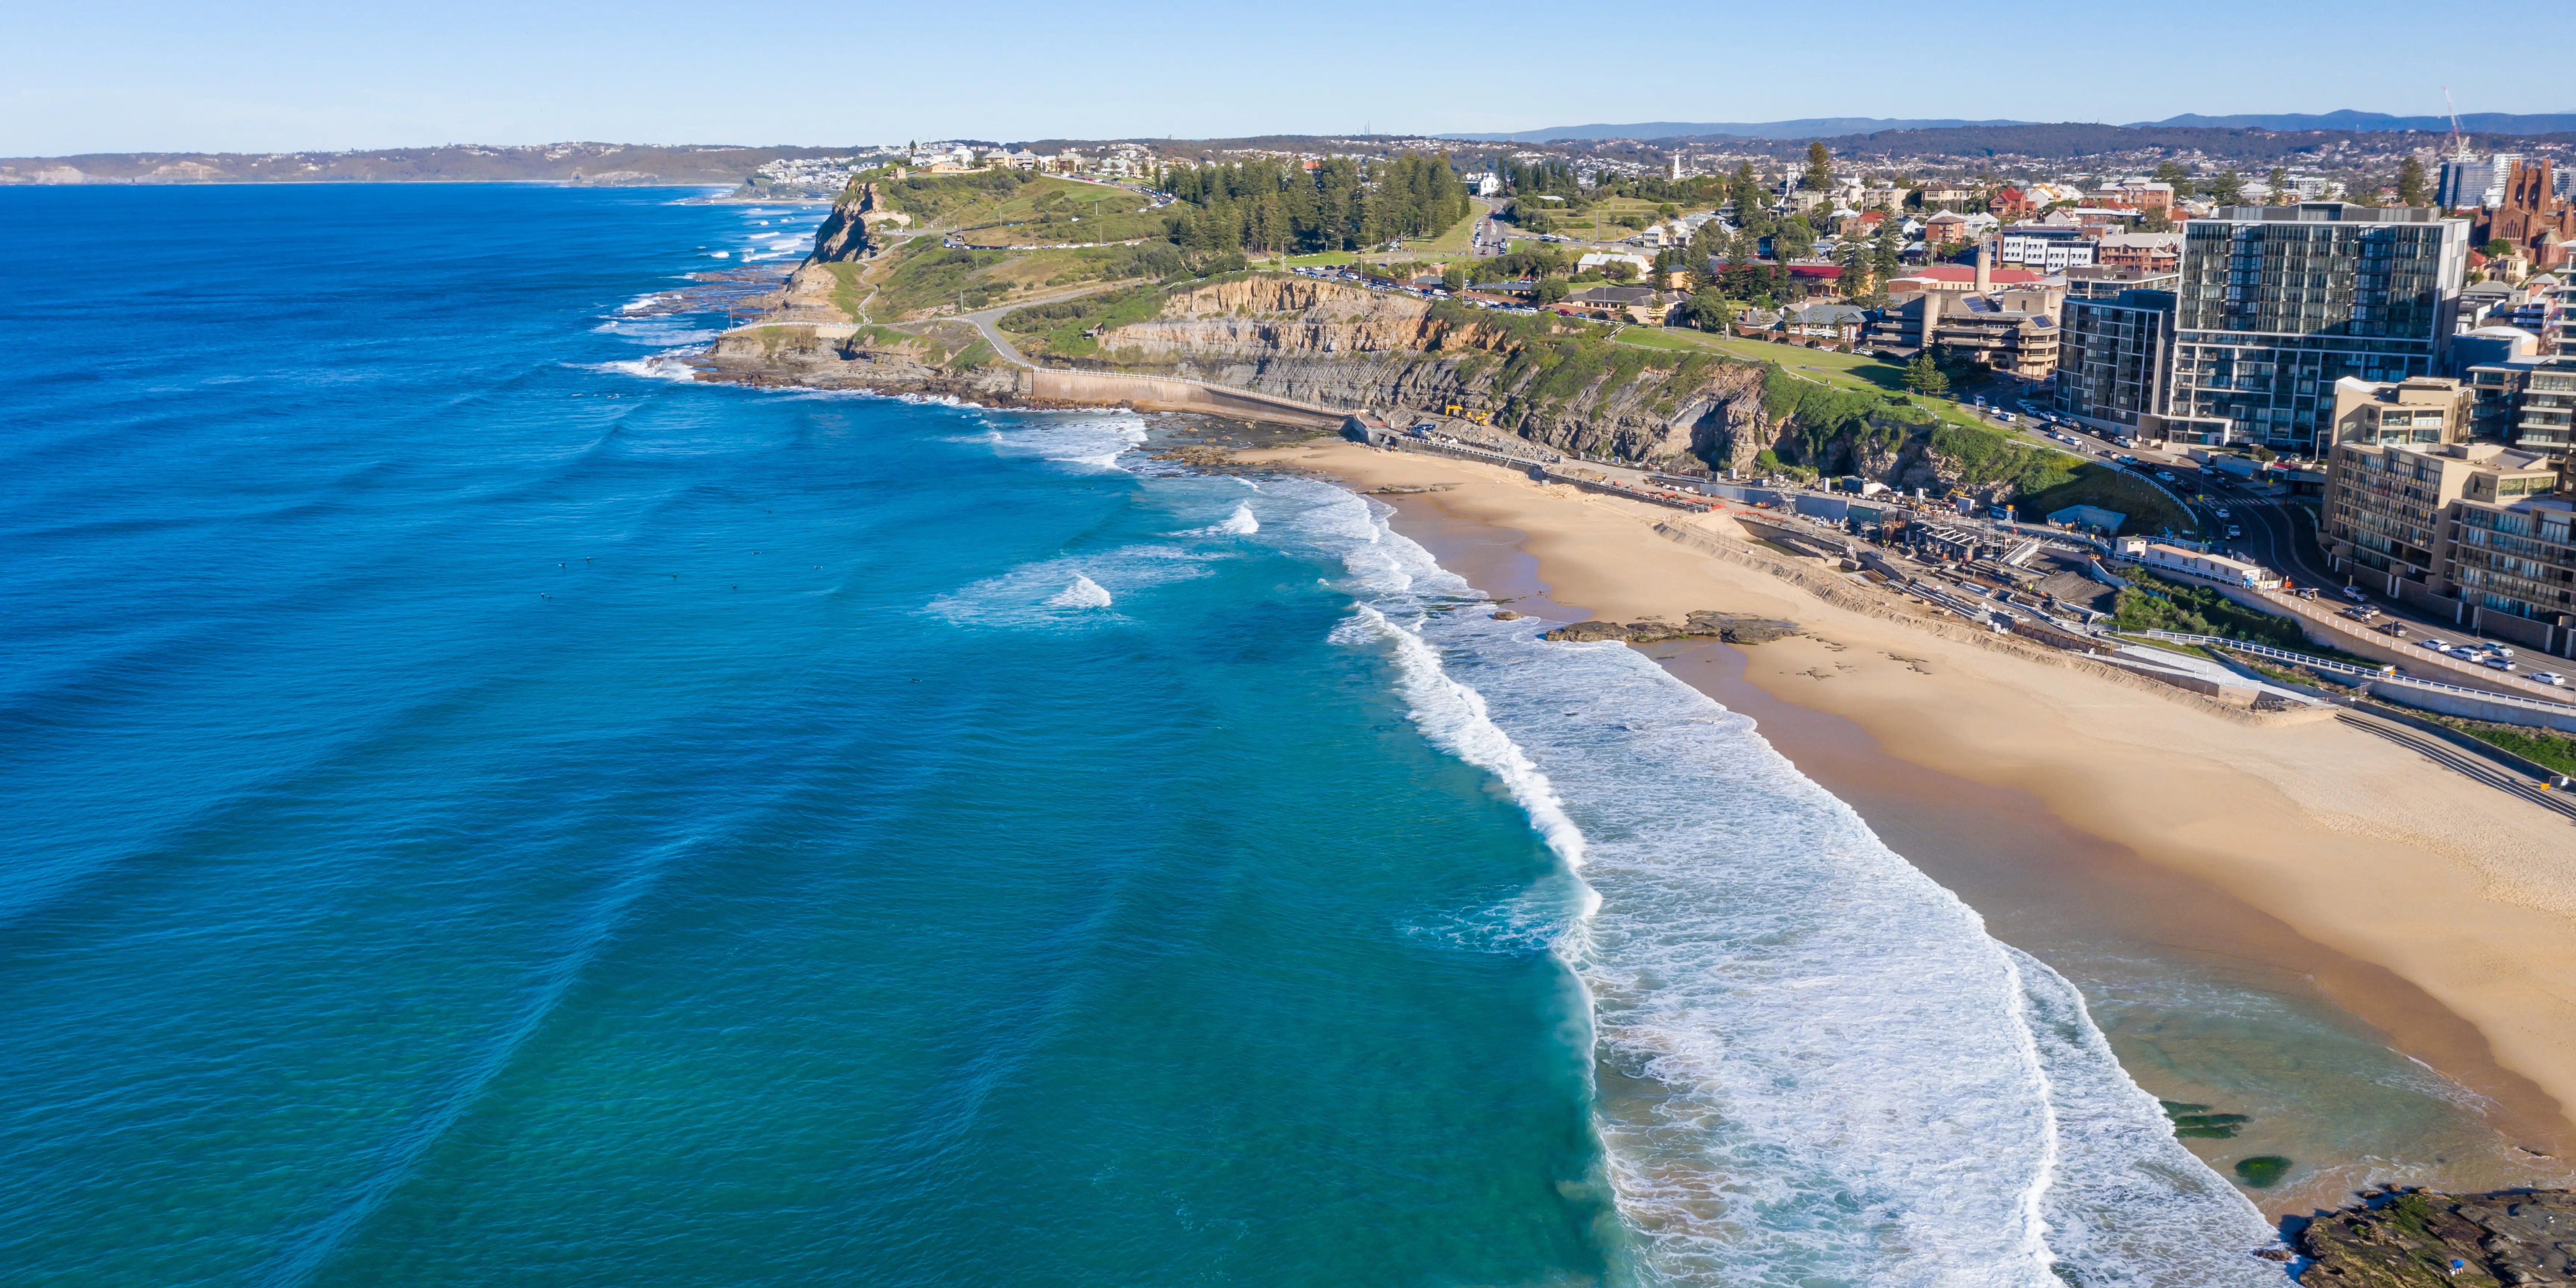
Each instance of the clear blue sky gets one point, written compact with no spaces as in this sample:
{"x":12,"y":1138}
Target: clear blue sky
{"x":155,"y":75}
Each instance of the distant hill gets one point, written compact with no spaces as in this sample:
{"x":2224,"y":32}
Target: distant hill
{"x":1813,"y":128}
{"x":608,"y":163}
{"x":1831,"y":127}
{"x":2377,"y":122}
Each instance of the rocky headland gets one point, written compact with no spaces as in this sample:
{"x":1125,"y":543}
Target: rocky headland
{"x":2419,"y":1238}
{"x":887,"y":302}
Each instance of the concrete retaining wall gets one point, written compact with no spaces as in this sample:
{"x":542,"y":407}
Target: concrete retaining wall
{"x":2497,"y":710}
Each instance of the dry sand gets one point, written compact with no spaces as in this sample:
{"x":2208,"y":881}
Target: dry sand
{"x":2464,"y":894}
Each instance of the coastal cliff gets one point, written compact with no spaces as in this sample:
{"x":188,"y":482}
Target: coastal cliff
{"x":1573,"y":386}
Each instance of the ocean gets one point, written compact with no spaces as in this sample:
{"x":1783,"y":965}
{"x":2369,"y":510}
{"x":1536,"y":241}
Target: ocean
{"x":484,"y":808}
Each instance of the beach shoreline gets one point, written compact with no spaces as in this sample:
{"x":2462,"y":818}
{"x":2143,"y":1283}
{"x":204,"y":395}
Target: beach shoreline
{"x":2292,"y":856}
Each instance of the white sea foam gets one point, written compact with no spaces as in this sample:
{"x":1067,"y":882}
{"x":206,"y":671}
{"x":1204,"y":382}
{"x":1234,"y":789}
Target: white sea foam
{"x":1241,"y":523}
{"x":672,"y":365}
{"x":657,"y":330}
{"x":1816,"y":1066}
{"x":1089,"y":440}
{"x":1082,"y":593}
{"x":1074,"y":591}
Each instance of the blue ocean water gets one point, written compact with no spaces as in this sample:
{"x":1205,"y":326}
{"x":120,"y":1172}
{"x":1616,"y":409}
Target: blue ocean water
{"x":483,"y":810}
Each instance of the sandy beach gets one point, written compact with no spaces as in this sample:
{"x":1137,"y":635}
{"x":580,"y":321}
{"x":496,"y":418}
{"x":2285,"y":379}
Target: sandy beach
{"x":2439,"y":913}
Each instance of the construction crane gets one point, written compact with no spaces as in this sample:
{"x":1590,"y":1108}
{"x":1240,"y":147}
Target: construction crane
{"x":2459,"y":144}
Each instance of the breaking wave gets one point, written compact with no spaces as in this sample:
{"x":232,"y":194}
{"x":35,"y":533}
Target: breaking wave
{"x":1814,"y":1065}
{"x":1082,"y":593}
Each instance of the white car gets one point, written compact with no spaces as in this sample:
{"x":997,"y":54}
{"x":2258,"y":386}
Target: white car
{"x":2438,"y":646}
{"x":2222,"y":512}
{"x":2550,"y":677}
{"x":2498,"y":663}
{"x":2164,"y":476}
{"x":2354,"y":594}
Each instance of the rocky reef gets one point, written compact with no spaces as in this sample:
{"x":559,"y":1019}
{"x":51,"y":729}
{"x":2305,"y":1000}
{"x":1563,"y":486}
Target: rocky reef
{"x":1733,"y":628}
{"x":2418,"y":1238}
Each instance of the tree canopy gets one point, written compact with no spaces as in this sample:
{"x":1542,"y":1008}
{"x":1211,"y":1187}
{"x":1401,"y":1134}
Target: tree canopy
{"x":1262,"y":206}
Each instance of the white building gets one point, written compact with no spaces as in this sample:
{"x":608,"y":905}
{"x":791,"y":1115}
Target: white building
{"x":2218,"y":568}
{"x":2048,"y":249}
{"x":2468,"y":182}
{"x":1599,"y":258}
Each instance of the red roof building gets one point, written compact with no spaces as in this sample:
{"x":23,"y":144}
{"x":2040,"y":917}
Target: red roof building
{"x":1962,"y":277}
{"x":2012,"y":205}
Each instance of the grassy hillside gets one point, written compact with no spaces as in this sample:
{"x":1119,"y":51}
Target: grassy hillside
{"x":922,"y":277}
{"x":2149,"y":511}
{"x":1016,"y":206}
{"x":1059,"y":328}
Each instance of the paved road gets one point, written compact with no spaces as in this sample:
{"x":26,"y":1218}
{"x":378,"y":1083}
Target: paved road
{"x":2282,"y":536}
{"x":982,"y":320}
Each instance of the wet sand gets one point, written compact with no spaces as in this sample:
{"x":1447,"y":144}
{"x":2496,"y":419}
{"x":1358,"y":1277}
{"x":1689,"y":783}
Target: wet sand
{"x":2341,"y":1064}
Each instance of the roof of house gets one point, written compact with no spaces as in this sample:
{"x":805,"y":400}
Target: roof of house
{"x":1829,"y":314}
{"x":1614,"y":295}
{"x":1955,"y":273}
{"x":2090,"y":516}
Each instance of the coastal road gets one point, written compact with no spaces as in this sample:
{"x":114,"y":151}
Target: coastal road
{"x":982,"y":320}
{"x":2279,"y":535}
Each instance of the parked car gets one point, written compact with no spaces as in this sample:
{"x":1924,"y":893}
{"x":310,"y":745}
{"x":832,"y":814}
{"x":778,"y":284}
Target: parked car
{"x":2549,"y":677}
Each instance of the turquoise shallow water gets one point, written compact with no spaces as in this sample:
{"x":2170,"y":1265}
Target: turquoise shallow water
{"x":483,"y":812}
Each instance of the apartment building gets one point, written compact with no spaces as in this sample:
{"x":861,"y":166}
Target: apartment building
{"x":2468,"y":183}
{"x":2154,"y":252}
{"x":2114,"y":357}
{"x":2386,"y":507}
{"x":2528,"y":402}
{"x":2474,"y":531}
{"x":2277,"y":303}
{"x":2417,"y":412}
{"x":2104,"y":281}
{"x":2046,"y":248}
{"x":2515,"y":558}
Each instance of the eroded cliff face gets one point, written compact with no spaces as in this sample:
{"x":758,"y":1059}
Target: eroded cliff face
{"x":1345,"y":346}
{"x":1336,"y":345}
{"x":843,"y":235}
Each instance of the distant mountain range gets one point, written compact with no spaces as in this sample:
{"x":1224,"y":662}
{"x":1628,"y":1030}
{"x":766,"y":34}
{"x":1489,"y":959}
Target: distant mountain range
{"x":1822,"y":127}
{"x":1827,"y":127}
{"x":2374,"y":122}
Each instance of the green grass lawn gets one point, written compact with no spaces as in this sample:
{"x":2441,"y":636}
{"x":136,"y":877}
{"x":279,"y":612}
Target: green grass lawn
{"x":2557,"y":751}
{"x":1457,"y":241}
{"x":2148,"y":510}
{"x":1594,"y":224}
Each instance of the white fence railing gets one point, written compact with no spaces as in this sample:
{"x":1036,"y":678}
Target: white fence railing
{"x":2389,"y":672}
{"x":2312,"y":662}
